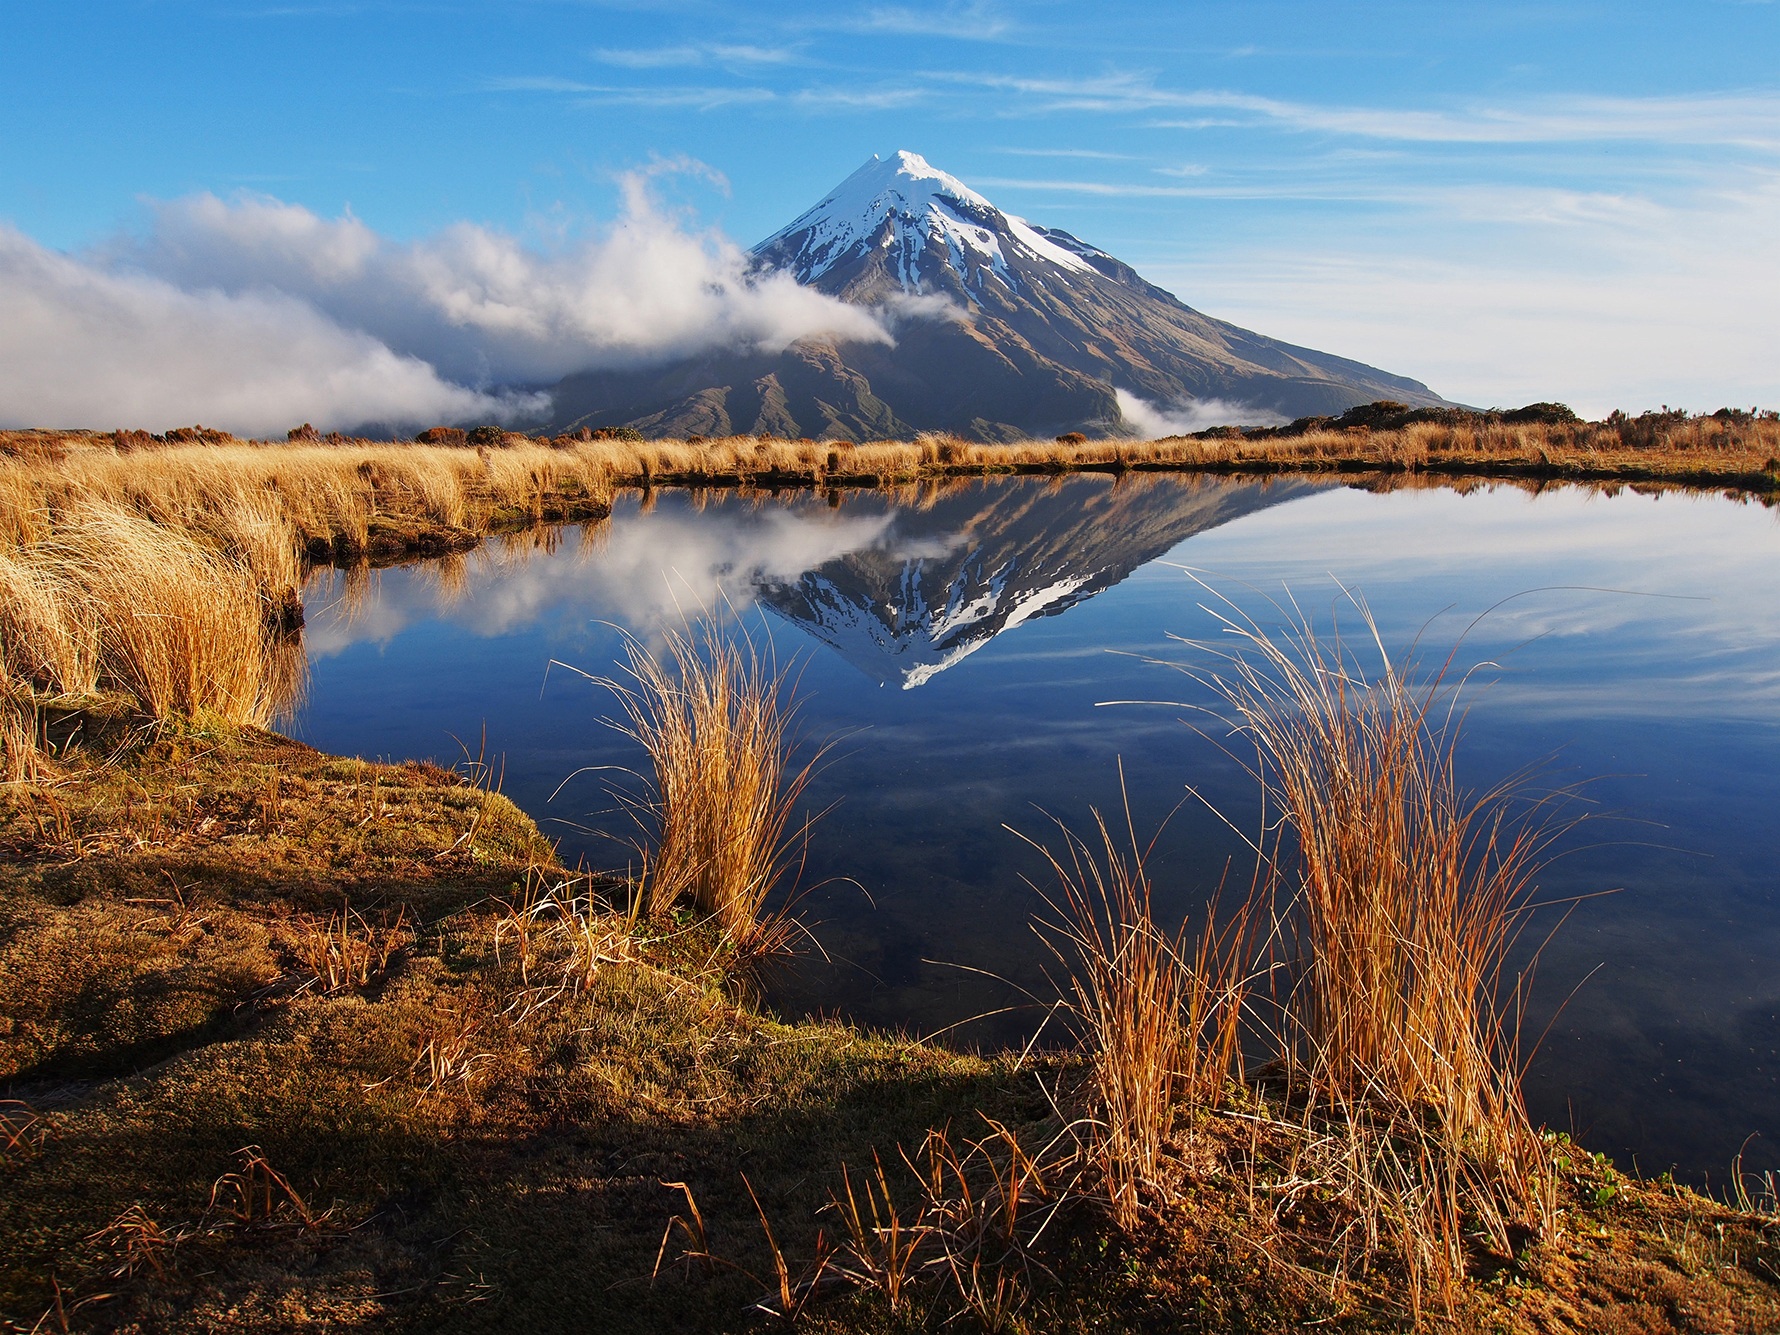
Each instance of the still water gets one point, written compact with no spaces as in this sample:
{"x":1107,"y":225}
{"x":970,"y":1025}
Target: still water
{"x":963,"y":646}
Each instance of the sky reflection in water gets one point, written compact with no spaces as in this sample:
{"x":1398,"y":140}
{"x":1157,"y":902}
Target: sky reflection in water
{"x":962,"y":644}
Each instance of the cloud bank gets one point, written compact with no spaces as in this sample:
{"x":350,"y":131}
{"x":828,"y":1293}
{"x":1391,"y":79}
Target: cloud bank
{"x":252,"y":315}
{"x":1154,"y":421}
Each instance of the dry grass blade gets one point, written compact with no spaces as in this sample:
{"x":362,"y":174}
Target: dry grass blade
{"x":138,"y":1241}
{"x":22,"y":1129}
{"x":349,"y":951}
{"x":447,"y":1056}
{"x":793,"y":1296}
{"x":976,"y":1209}
{"x":965,"y":1241}
{"x":1162,"y":1019}
{"x":258,"y":1196}
{"x":881,"y":1248}
{"x":715,"y":717}
{"x":559,"y":937}
{"x":22,"y":756}
{"x":1764,"y":1199}
{"x":1408,"y":896}
{"x":692,"y":1226}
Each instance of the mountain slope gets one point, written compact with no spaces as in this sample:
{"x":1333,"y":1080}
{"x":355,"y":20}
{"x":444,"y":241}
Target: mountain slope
{"x":1002,"y":330}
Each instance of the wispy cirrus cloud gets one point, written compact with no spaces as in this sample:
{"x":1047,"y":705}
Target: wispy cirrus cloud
{"x":974,"y":22}
{"x":695,"y":97}
{"x":841,"y":98}
{"x":811,"y":98}
{"x":537,"y":83}
{"x":1477,"y":203}
{"x":1747,"y":120}
{"x":1110,"y":189}
{"x":1098,"y":155}
{"x":1619,"y":301}
{"x":711,"y":53}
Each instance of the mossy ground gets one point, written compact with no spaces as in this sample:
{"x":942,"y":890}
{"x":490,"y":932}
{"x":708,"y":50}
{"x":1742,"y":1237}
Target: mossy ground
{"x":446,"y":1161}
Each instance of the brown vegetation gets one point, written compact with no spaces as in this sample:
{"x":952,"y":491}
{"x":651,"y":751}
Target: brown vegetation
{"x":715,"y":717}
{"x":1389,"y":1074}
{"x":1404,"y":899}
{"x":169,"y":571}
{"x":474,"y":1129}
{"x":353,"y":495}
{"x":345,"y":501}
{"x":1161,"y":1017}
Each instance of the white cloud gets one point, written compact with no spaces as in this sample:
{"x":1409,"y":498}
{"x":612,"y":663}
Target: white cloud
{"x":667,"y":57}
{"x":973,"y":22}
{"x":83,"y":345}
{"x":252,"y":314}
{"x":1111,"y":189}
{"x":483,"y":306}
{"x":1153,"y":421}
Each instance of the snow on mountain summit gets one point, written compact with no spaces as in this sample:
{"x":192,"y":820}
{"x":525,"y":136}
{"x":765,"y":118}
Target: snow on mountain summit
{"x":908,"y":208}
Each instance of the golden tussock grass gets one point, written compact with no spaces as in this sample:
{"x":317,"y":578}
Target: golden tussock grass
{"x":336,"y":493}
{"x":715,"y":717}
{"x":327,"y":496}
{"x":1388,"y":1083}
{"x":112,"y":601}
{"x":1739,"y":451}
{"x":1399,"y":897}
{"x":1161,"y":1016}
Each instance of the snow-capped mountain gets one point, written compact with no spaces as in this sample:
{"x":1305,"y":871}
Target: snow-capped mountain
{"x":989,"y":558}
{"x":930,"y":226}
{"x":1003,"y":329}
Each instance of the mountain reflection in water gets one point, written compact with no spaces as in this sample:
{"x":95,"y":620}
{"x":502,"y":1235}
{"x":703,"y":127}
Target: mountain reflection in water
{"x":966,"y":565}
{"x":1638,"y":639}
{"x":901,"y":591}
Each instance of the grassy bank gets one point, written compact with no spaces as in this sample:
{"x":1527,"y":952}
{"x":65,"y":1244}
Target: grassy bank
{"x":294,"y":1040}
{"x":355,"y":498}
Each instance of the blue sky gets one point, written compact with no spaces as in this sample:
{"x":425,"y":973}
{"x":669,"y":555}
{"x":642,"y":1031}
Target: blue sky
{"x":1509,"y":201}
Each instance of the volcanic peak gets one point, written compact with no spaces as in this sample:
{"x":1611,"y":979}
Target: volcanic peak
{"x":902,"y":205}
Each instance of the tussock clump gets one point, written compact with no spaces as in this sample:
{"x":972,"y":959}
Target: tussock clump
{"x":48,"y":640}
{"x":1400,"y":897}
{"x":180,"y":627}
{"x":1388,"y":1086}
{"x":715,"y":717}
{"x":1161,"y":1016}
{"x":348,"y":950}
{"x":113,"y":601}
